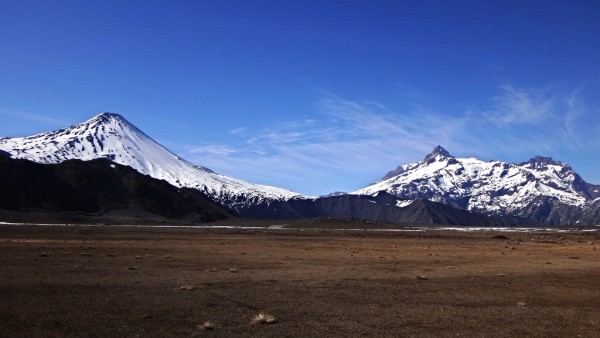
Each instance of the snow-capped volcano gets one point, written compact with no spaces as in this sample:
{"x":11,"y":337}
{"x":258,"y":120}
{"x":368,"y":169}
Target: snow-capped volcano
{"x":532,"y":189}
{"x":111,"y":136}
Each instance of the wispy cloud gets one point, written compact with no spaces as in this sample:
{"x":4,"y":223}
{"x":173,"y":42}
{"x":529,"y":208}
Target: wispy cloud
{"x":346,"y":138}
{"x":541,"y":119}
{"x":211,"y":150}
{"x":33,"y":117}
{"x":236,"y":131}
{"x":517,"y":106}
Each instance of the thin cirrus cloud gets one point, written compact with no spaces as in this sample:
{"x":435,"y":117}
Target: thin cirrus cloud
{"x":212,"y":149}
{"x":515,"y":106}
{"x":32,"y":117}
{"x":542,"y":119}
{"x":348,"y":139}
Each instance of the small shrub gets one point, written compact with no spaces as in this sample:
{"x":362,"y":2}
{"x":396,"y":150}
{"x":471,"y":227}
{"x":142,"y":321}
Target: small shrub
{"x":263,"y":318}
{"x":208,"y":326}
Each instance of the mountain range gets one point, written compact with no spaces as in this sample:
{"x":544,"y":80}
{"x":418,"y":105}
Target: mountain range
{"x":440,"y":189}
{"x":540,"y":189}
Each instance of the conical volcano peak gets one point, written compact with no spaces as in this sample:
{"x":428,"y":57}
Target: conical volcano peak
{"x":110,"y":115}
{"x":438,"y":152}
{"x":107,"y":117}
{"x":109,"y":122}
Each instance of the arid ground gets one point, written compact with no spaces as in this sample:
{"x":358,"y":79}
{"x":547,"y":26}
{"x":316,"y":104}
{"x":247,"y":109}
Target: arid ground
{"x":159,"y":282}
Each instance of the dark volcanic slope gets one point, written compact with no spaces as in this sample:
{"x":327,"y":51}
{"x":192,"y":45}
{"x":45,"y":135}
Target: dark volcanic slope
{"x":381,"y":207}
{"x":98,"y":186}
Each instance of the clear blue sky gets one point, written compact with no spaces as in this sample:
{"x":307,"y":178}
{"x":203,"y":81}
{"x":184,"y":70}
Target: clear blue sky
{"x":313,"y":96}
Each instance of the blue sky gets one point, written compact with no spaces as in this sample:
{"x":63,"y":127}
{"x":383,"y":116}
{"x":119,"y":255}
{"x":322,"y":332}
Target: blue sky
{"x":313,"y":96}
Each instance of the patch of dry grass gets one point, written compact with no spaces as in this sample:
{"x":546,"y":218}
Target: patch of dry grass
{"x":263,"y":318}
{"x":208,"y":326}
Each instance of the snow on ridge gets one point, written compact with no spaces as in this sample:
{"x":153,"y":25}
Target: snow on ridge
{"x":111,"y":136}
{"x":494,"y":186}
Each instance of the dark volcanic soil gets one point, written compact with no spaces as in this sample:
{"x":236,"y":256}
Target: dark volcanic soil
{"x":127,"y":282}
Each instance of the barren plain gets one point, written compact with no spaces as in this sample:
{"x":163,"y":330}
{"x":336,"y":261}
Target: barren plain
{"x":113,"y":281}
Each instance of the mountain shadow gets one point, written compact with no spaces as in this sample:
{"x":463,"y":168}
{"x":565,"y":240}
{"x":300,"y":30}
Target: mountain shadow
{"x":97,"y":188}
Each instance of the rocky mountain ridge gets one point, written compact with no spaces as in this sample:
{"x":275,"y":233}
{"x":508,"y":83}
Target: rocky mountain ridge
{"x":540,"y":189}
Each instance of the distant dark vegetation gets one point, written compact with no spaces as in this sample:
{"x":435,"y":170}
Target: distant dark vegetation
{"x":96,"y":187}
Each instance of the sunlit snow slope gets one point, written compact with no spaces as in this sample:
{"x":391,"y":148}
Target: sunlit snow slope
{"x":111,"y":136}
{"x":490,"y":187}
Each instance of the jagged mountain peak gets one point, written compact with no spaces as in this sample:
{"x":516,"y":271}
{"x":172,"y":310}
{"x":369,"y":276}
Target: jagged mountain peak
{"x":541,"y":161}
{"x":439,"y":151}
{"x":437,"y":154}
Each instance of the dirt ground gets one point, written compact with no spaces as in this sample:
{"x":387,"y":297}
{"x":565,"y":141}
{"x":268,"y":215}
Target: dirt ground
{"x":149,"y":282}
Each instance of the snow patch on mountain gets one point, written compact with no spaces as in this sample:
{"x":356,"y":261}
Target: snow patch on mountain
{"x":403,"y":203}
